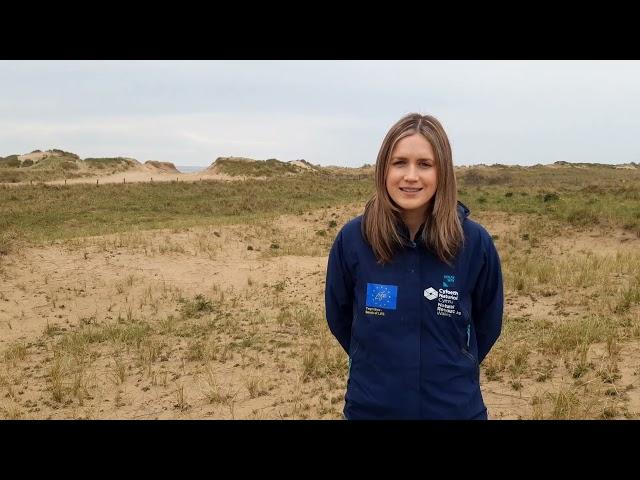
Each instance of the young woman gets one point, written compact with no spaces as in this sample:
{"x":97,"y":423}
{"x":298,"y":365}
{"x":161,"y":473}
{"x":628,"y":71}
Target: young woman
{"x":414,"y":287}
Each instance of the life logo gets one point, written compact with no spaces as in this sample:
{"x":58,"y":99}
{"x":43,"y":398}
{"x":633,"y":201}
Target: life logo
{"x":380,"y":298}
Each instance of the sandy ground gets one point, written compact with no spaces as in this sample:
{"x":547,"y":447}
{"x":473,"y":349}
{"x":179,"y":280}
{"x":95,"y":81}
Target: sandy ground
{"x":141,"y":175}
{"x":146,"y":176}
{"x":266,"y":327}
{"x":94,"y":281}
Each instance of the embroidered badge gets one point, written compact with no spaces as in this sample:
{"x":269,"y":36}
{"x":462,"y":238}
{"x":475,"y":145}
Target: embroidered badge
{"x":382,"y":296}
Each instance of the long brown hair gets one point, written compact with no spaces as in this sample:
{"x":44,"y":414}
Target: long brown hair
{"x":442,"y":233}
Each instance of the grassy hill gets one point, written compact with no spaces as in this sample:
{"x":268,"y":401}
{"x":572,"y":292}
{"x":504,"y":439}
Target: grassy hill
{"x":239,"y":166}
{"x":57,"y":164}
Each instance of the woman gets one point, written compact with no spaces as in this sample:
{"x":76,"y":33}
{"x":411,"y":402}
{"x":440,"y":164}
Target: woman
{"x":414,"y":288}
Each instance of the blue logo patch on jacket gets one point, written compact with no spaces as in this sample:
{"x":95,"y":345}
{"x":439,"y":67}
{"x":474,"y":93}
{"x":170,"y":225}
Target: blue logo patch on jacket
{"x":382,"y":296}
{"x":448,"y":281}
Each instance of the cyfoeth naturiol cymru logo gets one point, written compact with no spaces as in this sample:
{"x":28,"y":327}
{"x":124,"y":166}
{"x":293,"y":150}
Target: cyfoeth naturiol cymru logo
{"x":430,"y":293}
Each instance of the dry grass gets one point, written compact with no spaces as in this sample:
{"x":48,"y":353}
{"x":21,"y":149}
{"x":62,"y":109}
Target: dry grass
{"x":227,"y":321}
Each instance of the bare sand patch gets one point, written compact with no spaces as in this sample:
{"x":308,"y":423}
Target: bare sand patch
{"x":228,"y":322}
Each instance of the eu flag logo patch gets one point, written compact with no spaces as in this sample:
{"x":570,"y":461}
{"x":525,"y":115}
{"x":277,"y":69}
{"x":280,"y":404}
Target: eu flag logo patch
{"x":382,"y":296}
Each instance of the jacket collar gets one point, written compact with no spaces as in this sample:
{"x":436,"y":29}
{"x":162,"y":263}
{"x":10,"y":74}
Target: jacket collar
{"x":403,"y":230}
{"x":404,"y":233}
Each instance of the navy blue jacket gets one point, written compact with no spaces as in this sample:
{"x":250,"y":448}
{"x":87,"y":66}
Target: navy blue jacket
{"x":415,"y":329}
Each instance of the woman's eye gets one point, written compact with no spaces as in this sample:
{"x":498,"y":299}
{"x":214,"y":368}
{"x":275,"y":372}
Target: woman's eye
{"x":425,"y":164}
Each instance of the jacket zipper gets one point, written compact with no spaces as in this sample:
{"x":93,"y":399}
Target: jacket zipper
{"x":466,"y":350}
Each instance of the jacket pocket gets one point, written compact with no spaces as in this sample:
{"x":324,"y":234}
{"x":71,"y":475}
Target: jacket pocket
{"x":474,"y":367}
{"x":465,"y":341}
{"x":469,"y":355}
{"x":466,"y":346}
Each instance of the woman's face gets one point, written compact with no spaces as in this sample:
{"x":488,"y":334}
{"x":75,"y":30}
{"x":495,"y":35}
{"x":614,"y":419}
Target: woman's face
{"x":411,"y":177}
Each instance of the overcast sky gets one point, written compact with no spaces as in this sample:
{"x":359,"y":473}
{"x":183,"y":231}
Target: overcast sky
{"x":326,"y":112}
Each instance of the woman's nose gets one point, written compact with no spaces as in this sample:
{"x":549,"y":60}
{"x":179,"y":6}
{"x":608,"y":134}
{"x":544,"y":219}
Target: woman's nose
{"x":411,"y":173}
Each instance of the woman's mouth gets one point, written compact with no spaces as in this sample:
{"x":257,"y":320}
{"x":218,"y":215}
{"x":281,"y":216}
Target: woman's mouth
{"x":410,"y":190}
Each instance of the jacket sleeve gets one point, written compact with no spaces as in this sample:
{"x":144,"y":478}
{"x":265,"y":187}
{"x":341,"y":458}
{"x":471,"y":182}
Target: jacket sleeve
{"x":338,"y":294}
{"x":488,"y":300}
